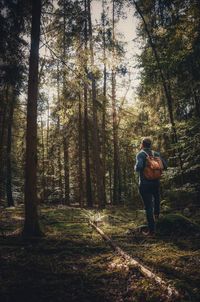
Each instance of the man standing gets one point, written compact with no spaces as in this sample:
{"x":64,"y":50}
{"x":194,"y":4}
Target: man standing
{"x":149,"y":164}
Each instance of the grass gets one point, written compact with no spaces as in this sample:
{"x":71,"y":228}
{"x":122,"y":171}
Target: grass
{"x":73,"y":263}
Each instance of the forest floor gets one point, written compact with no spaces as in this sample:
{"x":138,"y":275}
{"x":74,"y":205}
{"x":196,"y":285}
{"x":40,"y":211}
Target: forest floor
{"x":73,"y":263}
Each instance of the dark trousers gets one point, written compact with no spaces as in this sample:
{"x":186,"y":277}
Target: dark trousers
{"x":150,"y":194}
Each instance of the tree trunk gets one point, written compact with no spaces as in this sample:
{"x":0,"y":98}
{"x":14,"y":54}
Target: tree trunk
{"x":31,"y":224}
{"x":66,"y":169}
{"x":47,"y":152}
{"x":60,"y":180}
{"x":96,"y":142}
{"x":2,"y":146}
{"x":104,"y":106}
{"x":65,"y":136}
{"x":89,"y":198}
{"x":116,"y":172}
{"x":110,"y":184}
{"x":197,"y":104}
{"x":59,"y":137}
{"x":10,"y":199}
{"x":80,"y":155}
{"x":43,"y":163}
{"x":116,"y":165}
{"x":53,"y":183}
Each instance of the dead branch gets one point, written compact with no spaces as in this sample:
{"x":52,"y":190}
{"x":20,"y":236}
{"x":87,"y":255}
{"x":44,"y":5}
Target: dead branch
{"x":170,"y":290}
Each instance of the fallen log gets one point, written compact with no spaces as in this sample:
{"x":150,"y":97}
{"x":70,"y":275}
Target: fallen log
{"x":172,"y":293}
{"x":11,"y":233}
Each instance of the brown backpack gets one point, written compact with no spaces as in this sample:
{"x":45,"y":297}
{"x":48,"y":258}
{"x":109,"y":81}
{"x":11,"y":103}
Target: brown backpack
{"x":154,"y":167}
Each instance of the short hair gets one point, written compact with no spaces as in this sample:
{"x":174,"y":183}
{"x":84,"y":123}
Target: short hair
{"x":146,"y":142}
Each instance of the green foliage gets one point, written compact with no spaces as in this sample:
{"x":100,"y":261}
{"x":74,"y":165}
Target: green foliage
{"x":12,"y":26}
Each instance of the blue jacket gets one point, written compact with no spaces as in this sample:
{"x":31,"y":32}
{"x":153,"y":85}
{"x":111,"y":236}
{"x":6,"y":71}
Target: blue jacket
{"x":140,"y":165}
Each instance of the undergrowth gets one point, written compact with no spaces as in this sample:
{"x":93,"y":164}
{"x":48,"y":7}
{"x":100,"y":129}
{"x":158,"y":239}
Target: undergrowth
{"x":73,"y":263}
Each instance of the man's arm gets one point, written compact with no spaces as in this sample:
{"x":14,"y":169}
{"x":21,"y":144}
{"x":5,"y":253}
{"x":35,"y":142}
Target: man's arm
{"x":165,"y":165}
{"x":140,"y":162}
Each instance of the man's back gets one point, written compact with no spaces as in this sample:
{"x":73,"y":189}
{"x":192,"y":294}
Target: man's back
{"x":141,"y":164}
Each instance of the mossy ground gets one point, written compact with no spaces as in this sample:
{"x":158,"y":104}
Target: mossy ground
{"x":73,"y":263}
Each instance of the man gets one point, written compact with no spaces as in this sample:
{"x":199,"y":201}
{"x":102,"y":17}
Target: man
{"x":149,"y":187}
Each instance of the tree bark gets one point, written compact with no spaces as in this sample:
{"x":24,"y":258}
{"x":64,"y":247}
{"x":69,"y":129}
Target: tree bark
{"x":104,"y":105}
{"x":116,"y":164}
{"x":47,"y":152}
{"x":31,"y":224}
{"x":110,"y":184}
{"x":96,"y":142}
{"x":10,"y":199}
{"x":60,"y":183}
{"x":2,"y":145}
{"x":66,"y":169}
{"x":89,"y":199}
{"x":80,"y":155}
{"x":43,"y":162}
{"x":197,"y":104}
{"x":60,"y":179}
{"x":65,"y":136}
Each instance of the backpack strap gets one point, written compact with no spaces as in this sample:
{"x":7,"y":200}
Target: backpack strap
{"x":145,"y":153}
{"x":153,"y":153}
